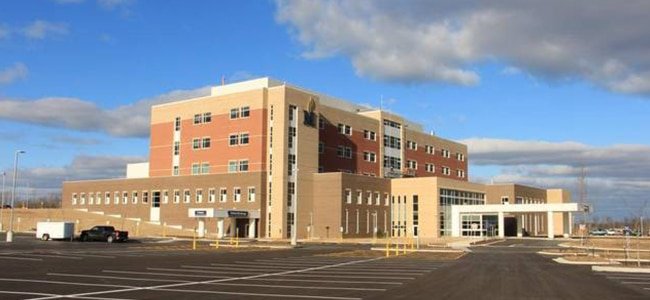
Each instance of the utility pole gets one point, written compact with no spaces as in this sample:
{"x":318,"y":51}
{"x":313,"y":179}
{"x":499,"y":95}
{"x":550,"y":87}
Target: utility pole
{"x":10,"y":233}
{"x":582,"y":190}
{"x":4,"y":175}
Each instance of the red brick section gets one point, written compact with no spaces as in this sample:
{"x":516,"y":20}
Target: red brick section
{"x":332,"y":163}
{"x":219,"y":153}
{"x":422,"y":157}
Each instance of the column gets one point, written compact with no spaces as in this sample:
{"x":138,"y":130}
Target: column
{"x":201,"y":228}
{"x":536,"y":225}
{"x":550,"y":227}
{"x":502,"y":229}
{"x":252,"y":227}
{"x":565,"y":224}
{"x":570,"y":223}
{"x":220,"y":228}
{"x":519,"y":225}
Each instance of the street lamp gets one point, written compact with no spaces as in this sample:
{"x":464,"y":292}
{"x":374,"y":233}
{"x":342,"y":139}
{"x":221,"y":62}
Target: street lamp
{"x":4,"y":174}
{"x":10,"y":233}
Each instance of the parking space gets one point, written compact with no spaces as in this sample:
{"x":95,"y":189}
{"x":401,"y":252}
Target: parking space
{"x":639,"y":281}
{"x":152,"y":271}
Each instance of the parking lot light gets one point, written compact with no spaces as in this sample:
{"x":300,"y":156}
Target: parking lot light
{"x":10,"y":233}
{"x":4,"y":175}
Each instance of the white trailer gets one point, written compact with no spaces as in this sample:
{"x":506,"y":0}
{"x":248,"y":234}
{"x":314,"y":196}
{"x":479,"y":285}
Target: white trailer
{"x":55,"y":230}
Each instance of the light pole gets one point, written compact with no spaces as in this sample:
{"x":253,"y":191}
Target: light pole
{"x":4,"y":174}
{"x":10,"y":233}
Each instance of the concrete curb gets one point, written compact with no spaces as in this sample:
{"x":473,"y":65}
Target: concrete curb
{"x":568,"y":262}
{"x":602,"y":248}
{"x":420,"y":250}
{"x":620,"y":269}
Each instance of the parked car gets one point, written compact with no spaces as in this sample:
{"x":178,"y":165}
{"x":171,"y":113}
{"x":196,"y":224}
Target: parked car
{"x":611,"y":232}
{"x":55,"y":231}
{"x":598,"y":232}
{"x":104,"y":233}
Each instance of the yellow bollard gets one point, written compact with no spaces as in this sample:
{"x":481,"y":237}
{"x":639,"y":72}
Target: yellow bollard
{"x":194,"y":240}
{"x":404,"y":248}
{"x":237,"y":238}
{"x":216,"y":243}
{"x":387,"y":248}
{"x":396,"y":249}
{"x":412,"y":245}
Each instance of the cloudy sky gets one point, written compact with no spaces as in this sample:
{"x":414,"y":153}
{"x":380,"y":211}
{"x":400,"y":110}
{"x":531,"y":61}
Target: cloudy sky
{"x":537,"y":89}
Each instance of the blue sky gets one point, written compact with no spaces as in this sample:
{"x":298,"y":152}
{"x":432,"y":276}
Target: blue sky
{"x":527,"y":100}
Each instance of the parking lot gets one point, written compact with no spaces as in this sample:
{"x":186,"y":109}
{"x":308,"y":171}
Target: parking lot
{"x":151,"y":270}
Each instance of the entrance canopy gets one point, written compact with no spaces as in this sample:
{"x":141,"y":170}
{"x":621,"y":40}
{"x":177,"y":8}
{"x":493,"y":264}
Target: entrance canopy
{"x":500,"y":209}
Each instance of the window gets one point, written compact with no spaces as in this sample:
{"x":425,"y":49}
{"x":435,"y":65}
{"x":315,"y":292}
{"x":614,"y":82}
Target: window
{"x":83,"y":199}
{"x":445,"y":153}
{"x":177,"y":124}
{"x":369,"y":135}
{"x":390,"y":123}
{"x":291,"y":190}
{"x":243,"y":165}
{"x":205,"y":168}
{"x":186,"y":196}
{"x":321,"y":147}
{"x":251,"y":194}
{"x":348,"y":152}
{"x":236,"y":194}
{"x":116,"y":198}
{"x":145,"y":197}
{"x":125,"y":197}
{"x":345,"y":129}
{"x":430,"y":149}
{"x":198,"y":196}
{"x":386,"y":201}
{"x":446,"y":171}
{"x":134,"y":197}
{"x":176,"y":171}
{"x":505,"y":200}
{"x":196,"y":170}
{"x":74,"y":199}
{"x":177,"y":148}
{"x":321,"y":122}
{"x":165,"y":198}
{"x":460,"y":156}
{"x":369,"y":197}
{"x":107,"y":198}
{"x":243,"y":139}
{"x":392,"y":142}
{"x":359,"y":197}
{"x":348,"y":196}
{"x":411,"y":145}
{"x":460,"y":173}
{"x":392,"y":162}
{"x":205,"y":142}
{"x":91,"y":198}
{"x":292,"y":162}
{"x":369,"y":156}
{"x":234,"y":139}
{"x":232,"y":166}
{"x":198,"y":119}
{"x":245,"y":112}
{"x":431,"y":168}
{"x":196,"y":144}
{"x":234,"y":113}
{"x":223,"y":195}
{"x":212,"y":195}
{"x":177,"y":196}
{"x":412,"y":164}
{"x":340,"y":151}
{"x":377,"y":198}
{"x":207,"y":117}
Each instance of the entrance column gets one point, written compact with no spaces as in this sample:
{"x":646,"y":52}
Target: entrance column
{"x":566,"y":229}
{"x":520,"y":224}
{"x":502,"y":229}
{"x":201,"y":228}
{"x":220,"y":228}
{"x":570,"y":223}
{"x":536,"y":224}
{"x":551,"y":226}
{"x":252,"y":227}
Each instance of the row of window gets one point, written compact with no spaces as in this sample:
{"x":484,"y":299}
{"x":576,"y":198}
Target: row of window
{"x":163,"y":197}
{"x":197,"y":143}
{"x":240,"y":112}
{"x":371,"y":198}
{"x":202,"y":118}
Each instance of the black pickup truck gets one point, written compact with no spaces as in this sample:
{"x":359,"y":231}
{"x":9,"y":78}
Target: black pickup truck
{"x":104,"y":233}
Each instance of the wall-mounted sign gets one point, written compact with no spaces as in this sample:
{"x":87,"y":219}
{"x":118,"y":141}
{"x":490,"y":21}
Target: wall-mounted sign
{"x":200,"y":212}
{"x":238,"y":214}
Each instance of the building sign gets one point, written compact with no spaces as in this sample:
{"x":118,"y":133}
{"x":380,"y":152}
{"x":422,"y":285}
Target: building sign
{"x":200,"y":213}
{"x":238,"y":214}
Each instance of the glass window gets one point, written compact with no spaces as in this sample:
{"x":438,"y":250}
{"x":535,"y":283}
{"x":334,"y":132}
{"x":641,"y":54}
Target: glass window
{"x":196,"y":169}
{"x":207,"y":117}
{"x":198,"y":196}
{"x":206,"y":142}
{"x":186,"y":196}
{"x":205,"y":168}
{"x":177,"y":196}
{"x":223,"y":195}
{"x":197,"y":119}
{"x":177,"y":148}
{"x":251,"y":194}
{"x":234,"y":113}
{"x":145,"y":197}
{"x":243,"y":138}
{"x":177,"y":124}
{"x":236,"y":194}
{"x":232,"y":166}
{"x":245,"y":112}
{"x":234,"y":139}
{"x":176,"y":171}
{"x":196,"y":144}
{"x":243,"y":166}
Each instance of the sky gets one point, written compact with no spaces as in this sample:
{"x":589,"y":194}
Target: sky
{"x":538,"y":90}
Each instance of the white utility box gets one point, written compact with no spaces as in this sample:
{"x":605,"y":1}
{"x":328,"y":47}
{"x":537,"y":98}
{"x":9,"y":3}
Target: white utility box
{"x":55,"y":230}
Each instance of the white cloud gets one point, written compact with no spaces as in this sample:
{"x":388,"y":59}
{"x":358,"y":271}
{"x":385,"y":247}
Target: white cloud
{"x":124,"y":121}
{"x":16,"y":72}
{"x":618,"y":176}
{"x":40,"y":29}
{"x":443,"y":41}
{"x":114,"y":4}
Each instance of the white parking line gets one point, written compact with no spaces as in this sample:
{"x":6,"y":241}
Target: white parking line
{"x":116,"y":277}
{"x":57,"y":295}
{"x":299,"y":287}
{"x":19,"y":258}
{"x":329,"y":281}
{"x":636,"y":282}
{"x":627,"y":278}
{"x":329,"y":271}
{"x":64,"y":282}
{"x":302,"y":274}
{"x":257,"y":294}
{"x":90,"y":255}
{"x":168,"y":286}
{"x":50,"y":256}
{"x":273,"y":266}
{"x":166,"y":274}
